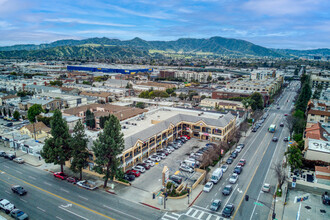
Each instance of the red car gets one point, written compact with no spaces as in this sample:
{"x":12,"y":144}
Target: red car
{"x":285,"y":114}
{"x":242,"y":162}
{"x":61,"y":175}
{"x":133,"y":172}
{"x":188,"y":137}
{"x":73,"y":180}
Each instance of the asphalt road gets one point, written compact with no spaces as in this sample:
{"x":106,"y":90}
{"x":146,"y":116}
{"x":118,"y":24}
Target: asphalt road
{"x":50,"y":198}
{"x":261,"y":153}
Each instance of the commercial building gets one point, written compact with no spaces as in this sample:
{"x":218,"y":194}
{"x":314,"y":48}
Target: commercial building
{"x":41,"y":89}
{"x":221,"y":104}
{"x":317,"y":150}
{"x":317,"y":112}
{"x":324,"y":81}
{"x":68,"y":101}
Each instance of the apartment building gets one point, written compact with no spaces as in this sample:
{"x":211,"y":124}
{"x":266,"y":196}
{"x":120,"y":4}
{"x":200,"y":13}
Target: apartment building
{"x":37,"y":89}
{"x":221,"y":104}
{"x":318,"y":112}
{"x":48,"y":104}
{"x":316,"y":80}
{"x":102,"y":97}
{"x":190,"y":76}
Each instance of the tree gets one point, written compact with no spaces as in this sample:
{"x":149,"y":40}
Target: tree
{"x":56,"y":83}
{"x":140,"y":105}
{"x":79,"y":149}
{"x":244,"y":127}
{"x":33,"y":111}
{"x":257,"y":101}
{"x":16,"y":115}
{"x":9,"y":112}
{"x":247,"y":103}
{"x":209,"y":78}
{"x":280,"y":174}
{"x":304,"y":97}
{"x":294,"y":157}
{"x":57,"y":148}
{"x":107,"y":147}
{"x":90,"y":119}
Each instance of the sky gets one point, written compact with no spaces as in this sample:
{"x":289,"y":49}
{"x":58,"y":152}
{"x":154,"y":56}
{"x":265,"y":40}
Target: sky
{"x":291,"y":24}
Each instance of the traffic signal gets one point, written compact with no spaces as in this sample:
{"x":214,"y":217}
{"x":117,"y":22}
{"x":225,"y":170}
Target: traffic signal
{"x":274,"y":215}
{"x":246,"y":197}
{"x":294,"y":179}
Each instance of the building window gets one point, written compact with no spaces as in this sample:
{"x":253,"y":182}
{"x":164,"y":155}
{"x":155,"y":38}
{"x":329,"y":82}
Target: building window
{"x":313,"y":115}
{"x":322,"y":116}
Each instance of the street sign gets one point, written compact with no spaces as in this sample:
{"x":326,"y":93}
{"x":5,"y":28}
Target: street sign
{"x":293,"y":184}
{"x":259,"y":204}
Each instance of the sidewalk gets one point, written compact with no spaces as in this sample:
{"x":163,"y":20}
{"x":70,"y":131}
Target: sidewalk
{"x":280,"y":203}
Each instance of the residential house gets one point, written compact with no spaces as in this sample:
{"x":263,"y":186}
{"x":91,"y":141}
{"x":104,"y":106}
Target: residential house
{"x":41,"y":89}
{"x":40,"y":130}
{"x":47,"y":104}
{"x":102,"y":97}
{"x":9,"y":99}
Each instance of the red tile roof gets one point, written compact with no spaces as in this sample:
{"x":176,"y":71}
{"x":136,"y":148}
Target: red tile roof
{"x":316,"y":131}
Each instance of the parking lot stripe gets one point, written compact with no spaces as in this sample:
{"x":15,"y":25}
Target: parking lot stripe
{"x":175,"y":214}
{"x":177,"y":172}
{"x":190,"y":210}
{"x":202,"y":213}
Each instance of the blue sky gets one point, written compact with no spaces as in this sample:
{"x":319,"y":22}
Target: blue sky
{"x":294,"y":24}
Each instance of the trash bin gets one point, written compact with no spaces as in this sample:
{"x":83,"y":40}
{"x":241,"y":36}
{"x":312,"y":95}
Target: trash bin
{"x":160,"y":200}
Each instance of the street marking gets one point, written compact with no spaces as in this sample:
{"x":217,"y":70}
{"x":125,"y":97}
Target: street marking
{"x":6,"y":166}
{"x":82,"y":197}
{"x":202,"y":213}
{"x":32,"y":177}
{"x":19,"y":172}
{"x":73,"y":213}
{"x":41,"y":209}
{"x":64,"y":190}
{"x":177,"y":172}
{"x":195,"y":213}
{"x":175,"y":214}
{"x":60,"y":197}
{"x":67,"y":206}
{"x":47,"y":183}
{"x":59,"y":218}
{"x":190,"y":210}
{"x":120,"y":212}
{"x":23,"y":200}
{"x":7,"y":192}
{"x":208,"y":217}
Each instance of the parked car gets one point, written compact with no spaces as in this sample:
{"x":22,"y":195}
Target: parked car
{"x":87,"y":184}
{"x":242,"y":162}
{"x":208,"y":186}
{"x":230,"y":160}
{"x":241,"y":145}
{"x":254,"y":129}
{"x":141,"y":169}
{"x":9,"y":124}
{"x":2,"y":153}
{"x":186,"y":168}
{"x":150,"y":162}
{"x":133,"y":172}
{"x":285,"y":114}
{"x":19,"y":160}
{"x":6,"y":206}
{"x":129,"y":177}
{"x":10,"y":156}
{"x":238,"y":149}
{"x":266,"y":187}
{"x":60,"y":175}
{"x":18,"y":214}
{"x":233,"y":179}
{"x":162,"y":152}
{"x":325,"y":199}
{"x":176,"y":179}
{"x":274,"y":139}
{"x":72,"y":179}
{"x":228,"y":210}
{"x":161,"y":155}
{"x":215,"y":205}
{"x":154,"y":158}
{"x":286,"y":139}
{"x":227,"y":190}
{"x":19,"y":190}
{"x":187,"y":136}
{"x":282,"y":124}
{"x":234,"y":154}
{"x":238,"y":169}
{"x":224,"y":168}
{"x":146,"y":166}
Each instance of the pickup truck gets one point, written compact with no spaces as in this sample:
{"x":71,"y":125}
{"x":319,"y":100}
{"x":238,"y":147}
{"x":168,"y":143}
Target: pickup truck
{"x":6,"y":206}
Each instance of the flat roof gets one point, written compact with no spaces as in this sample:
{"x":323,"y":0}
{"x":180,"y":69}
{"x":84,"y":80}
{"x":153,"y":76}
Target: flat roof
{"x":319,"y":145}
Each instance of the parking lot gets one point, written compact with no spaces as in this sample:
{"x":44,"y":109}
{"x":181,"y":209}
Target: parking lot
{"x":151,"y":180}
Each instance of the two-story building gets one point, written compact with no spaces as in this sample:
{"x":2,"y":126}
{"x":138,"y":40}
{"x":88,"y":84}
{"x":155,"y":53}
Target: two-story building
{"x":38,"y":131}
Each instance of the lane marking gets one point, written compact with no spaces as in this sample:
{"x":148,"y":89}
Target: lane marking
{"x":23,"y":200}
{"x":60,"y":197}
{"x":82,"y":197}
{"x":73,"y":213}
{"x":59,"y":218}
{"x":64,"y":190}
{"x":32,"y":177}
{"x":41,"y":209}
{"x":19,"y":172}
{"x":190,"y":210}
{"x":6,"y":166}
{"x":47,"y":183}
{"x":120,"y":212}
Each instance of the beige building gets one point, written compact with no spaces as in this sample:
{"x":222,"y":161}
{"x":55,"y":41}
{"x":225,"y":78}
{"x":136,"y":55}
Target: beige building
{"x":315,"y":115}
{"x":320,"y":80}
{"x":222,"y":104}
{"x":41,"y":130}
{"x":189,"y":75}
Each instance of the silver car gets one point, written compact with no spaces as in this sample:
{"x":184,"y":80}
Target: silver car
{"x":186,"y":169}
{"x":233,"y":179}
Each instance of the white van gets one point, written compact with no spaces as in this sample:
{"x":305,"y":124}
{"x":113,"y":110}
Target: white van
{"x":216,"y":175}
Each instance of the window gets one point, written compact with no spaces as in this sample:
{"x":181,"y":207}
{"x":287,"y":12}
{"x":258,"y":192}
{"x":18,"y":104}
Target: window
{"x":322,"y":116}
{"x":313,"y":115}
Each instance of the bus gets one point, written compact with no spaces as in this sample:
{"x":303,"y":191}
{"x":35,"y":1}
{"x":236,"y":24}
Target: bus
{"x":272,"y":128}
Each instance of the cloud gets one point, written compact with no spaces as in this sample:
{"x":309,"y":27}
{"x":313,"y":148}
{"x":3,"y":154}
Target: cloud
{"x":281,"y":7}
{"x":81,"y":21}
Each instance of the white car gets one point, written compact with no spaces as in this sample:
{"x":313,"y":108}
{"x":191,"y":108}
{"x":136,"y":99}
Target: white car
{"x":150,"y":162}
{"x":154,"y":158}
{"x":238,"y":149}
{"x":266,"y":187}
{"x":6,"y":206}
{"x":141,"y":169}
{"x":161,"y":155}
{"x":208,"y":186}
{"x":18,"y":160}
{"x":224,"y":168}
{"x":186,"y":168}
{"x":233,"y":179}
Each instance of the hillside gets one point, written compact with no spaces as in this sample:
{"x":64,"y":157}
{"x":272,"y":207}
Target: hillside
{"x":300,"y":53}
{"x":215,"y":45}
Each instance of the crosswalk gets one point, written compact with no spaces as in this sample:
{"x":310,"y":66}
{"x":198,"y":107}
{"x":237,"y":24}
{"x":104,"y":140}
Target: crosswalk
{"x":193,"y":213}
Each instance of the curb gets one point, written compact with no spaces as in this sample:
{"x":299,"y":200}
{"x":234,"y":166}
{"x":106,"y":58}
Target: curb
{"x":33,"y":164}
{"x":113,"y":193}
{"x":149,"y":205}
{"x":195,"y":199}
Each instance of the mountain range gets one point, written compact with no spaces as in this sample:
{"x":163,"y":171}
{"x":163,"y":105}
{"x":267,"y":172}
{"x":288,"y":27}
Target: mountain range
{"x":137,"y":47}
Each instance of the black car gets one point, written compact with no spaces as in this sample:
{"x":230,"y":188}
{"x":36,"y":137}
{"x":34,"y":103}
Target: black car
{"x":10,"y":156}
{"x":227,"y":190}
{"x":229,"y":160}
{"x":2,"y":153}
{"x":238,"y":170}
{"x":275,"y":139}
{"x":176,"y":179}
{"x":9,"y":124}
{"x":286,"y":139}
{"x":255,"y":129}
{"x":19,"y":190}
{"x":228,"y":210}
{"x":129,"y":177}
{"x":325,"y":199}
{"x":282,"y":124}
{"x":234,"y":154}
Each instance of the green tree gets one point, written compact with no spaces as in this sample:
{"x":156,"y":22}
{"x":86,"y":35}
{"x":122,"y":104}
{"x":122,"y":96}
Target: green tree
{"x":257,"y":101}
{"x":56,"y":83}
{"x":173,"y":94}
{"x":107,"y":147}
{"x":57,"y":148}
{"x":79,"y":151}
{"x":90,"y":119}
{"x":9,"y":112}
{"x":32,"y":113}
{"x":304,"y":97}
{"x":45,"y":120}
{"x":16,"y":115}
{"x":294,"y":157}
{"x":140,"y":105}
{"x":209,"y":78}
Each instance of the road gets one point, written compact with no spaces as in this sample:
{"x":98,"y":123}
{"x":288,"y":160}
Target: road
{"x":50,"y":198}
{"x":261,"y":153}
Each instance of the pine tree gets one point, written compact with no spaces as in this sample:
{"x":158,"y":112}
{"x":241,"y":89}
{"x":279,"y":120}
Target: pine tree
{"x":57,"y":148}
{"x":107,"y":147}
{"x":88,"y":117}
{"x":79,"y":148}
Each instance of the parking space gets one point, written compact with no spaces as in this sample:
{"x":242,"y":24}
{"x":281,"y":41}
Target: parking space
{"x":151,"y":180}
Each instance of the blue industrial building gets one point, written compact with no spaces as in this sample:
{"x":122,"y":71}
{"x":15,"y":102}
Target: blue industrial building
{"x":108,"y":70}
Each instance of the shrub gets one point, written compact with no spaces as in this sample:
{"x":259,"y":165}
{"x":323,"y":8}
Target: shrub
{"x":297,"y":137}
